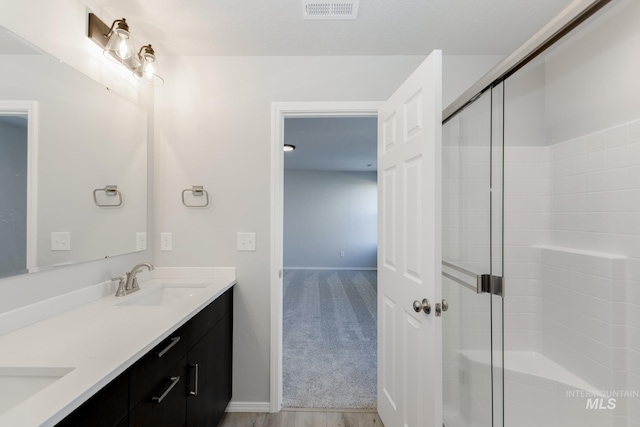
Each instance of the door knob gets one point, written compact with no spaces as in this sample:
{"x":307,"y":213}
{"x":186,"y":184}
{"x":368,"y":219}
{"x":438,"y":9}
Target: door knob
{"x":445,"y":305}
{"x":425,"y":306}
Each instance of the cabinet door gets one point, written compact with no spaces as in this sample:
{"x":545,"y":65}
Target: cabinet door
{"x":209,"y":363}
{"x":106,"y":408}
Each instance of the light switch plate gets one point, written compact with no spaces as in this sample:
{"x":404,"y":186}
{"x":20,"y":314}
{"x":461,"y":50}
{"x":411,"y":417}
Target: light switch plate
{"x":60,"y":241}
{"x":141,"y":241}
{"x":166,"y":241}
{"x":246,"y":241}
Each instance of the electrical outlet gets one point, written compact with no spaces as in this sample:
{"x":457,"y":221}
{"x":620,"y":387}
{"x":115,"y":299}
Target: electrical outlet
{"x":60,"y":241}
{"x":166,"y":241}
{"x":141,"y":241}
{"x":246,"y":241}
{"x":341,"y":253}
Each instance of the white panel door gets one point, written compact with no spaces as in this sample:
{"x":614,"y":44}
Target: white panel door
{"x":409,"y":261}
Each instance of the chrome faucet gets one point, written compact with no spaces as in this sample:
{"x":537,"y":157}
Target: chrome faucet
{"x":130,"y":283}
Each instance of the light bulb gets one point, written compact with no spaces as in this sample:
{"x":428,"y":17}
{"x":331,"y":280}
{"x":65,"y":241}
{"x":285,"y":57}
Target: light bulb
{"x":122,"y":51}
{"x":120,"y":48}
{"x":148,"y":69}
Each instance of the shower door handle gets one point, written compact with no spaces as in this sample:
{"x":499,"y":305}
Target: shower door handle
{"x":425,"y":306}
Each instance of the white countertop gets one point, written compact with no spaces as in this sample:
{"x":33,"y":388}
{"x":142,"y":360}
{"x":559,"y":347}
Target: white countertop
{"x":97,"y":339}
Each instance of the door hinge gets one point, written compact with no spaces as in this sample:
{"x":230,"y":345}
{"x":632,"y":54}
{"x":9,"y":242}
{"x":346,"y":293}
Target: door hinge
{"x":488,"y":283}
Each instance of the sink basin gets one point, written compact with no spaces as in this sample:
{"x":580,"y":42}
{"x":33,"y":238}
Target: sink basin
{"x":19,"y":384}
{"x":165,"y":294}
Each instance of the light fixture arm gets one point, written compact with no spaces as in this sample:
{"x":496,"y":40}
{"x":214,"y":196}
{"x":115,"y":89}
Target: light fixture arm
{"x":122,"y":24}
{"x":146,"y":49}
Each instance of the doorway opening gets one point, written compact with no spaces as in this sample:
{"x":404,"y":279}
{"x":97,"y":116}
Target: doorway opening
{"x":345,"y":290}
{"x":330,"y":263}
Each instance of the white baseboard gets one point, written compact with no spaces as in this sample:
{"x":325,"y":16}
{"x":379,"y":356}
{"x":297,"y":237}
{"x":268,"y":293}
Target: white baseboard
{"x":330,"y":268}
{"x":248,"y":407}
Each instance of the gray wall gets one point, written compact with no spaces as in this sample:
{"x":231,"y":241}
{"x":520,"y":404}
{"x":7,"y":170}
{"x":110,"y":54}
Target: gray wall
{"x":25,"y":289}
{"x":13,"y":196}
{"x":213,"y":128}
{"x":329,"y":212}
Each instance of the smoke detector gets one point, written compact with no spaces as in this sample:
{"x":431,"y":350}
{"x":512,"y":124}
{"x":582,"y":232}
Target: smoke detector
{"x":345,"y":9}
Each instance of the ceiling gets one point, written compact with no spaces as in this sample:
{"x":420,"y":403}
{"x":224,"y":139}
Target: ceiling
{"x":383,"y":27}
{"x":332,"y":144}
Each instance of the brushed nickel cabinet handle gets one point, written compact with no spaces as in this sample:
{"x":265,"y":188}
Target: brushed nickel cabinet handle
{"x":194,"y":392}
{"x":174,"y":381}
{"x":173,"y":342}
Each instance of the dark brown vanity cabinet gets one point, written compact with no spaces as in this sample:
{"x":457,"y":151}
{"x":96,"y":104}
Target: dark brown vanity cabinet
{"x":210,"y":369}
{"x":107,"y":408}
{"x":184,"y":381}
{"x":164,"y":404}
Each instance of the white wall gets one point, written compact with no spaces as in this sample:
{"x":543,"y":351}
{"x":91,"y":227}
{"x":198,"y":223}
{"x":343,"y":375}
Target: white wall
{"x":13,"y":198}
{"x":213,"y":122}
{"x":329,"y":212}
{"x":87,"y":132}
{"x":59,"y":28}
{"x":459,"y":72}
{"x":592,"y":81}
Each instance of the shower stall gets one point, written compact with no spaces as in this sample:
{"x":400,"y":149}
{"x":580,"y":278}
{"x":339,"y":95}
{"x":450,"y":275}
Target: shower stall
{"x":541,"y":236}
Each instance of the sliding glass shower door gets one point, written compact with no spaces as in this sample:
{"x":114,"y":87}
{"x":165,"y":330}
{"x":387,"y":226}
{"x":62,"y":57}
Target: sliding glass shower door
{"x":472,"y":263}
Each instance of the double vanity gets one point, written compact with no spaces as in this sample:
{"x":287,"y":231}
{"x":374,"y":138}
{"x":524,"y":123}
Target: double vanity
{"x":160,"y":356}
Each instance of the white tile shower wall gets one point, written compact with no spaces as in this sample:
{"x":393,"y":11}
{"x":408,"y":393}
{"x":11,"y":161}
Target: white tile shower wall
{"x":527,"y":207}
{"x":596,"y":207}
{"x":581,"y":313}
{"x":578,"y":306}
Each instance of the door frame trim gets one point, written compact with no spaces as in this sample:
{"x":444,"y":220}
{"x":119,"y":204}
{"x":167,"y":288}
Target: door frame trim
{"x":280,"y":111}
{"x":30,"y":108}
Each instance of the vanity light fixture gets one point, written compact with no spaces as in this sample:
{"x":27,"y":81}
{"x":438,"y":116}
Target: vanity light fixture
{"x":120,"y":46}
{"x":148,"y":68}
{"x":289,"y":147}
{"x":117,"y":45}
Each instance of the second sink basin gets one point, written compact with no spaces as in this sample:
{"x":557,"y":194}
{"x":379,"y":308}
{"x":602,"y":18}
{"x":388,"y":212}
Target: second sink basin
{"x":165,"y":294}
{"x":18,"y":384}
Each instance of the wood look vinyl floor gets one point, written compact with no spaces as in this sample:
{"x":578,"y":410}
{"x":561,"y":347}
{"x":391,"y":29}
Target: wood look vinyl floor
{"x":302,"y":419}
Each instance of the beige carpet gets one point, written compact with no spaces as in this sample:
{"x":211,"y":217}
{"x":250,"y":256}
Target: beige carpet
{"x":329,"y":339}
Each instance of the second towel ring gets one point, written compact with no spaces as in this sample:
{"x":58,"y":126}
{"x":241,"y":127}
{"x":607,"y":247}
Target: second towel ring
{"x":197,"y":191}
{"x":109,"y":190}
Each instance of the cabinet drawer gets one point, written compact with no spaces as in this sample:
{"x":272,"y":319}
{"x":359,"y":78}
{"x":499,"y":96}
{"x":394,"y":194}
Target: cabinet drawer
{"x":154,"y":365}
{"x":164,"y":404}
{"x":209,"y":316}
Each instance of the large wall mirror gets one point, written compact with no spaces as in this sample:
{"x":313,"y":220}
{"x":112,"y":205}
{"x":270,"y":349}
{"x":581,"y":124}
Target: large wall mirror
{"x":73,"y":164}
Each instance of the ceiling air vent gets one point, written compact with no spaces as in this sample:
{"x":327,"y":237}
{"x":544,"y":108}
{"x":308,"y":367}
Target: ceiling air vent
{"x":346,"y":9}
